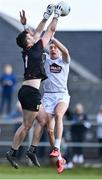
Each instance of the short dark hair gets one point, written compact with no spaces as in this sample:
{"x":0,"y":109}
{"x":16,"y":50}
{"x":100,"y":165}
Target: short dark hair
{"x":21,"y":39}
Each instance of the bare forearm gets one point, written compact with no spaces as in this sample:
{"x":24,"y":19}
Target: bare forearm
{"x":49,"y":32}
{"x":63,"y":49}
{"x":52,"y":25}
{"x":60,"y":46}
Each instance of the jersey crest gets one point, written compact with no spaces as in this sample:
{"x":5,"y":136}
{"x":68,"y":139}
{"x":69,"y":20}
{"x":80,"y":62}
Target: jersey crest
{"x":55,"y":68}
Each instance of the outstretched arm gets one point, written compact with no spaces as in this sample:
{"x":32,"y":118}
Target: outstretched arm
{"x":38,"y":31}
{"x":63,"y":49}
{"x":52,"y":26}
{"x":46,"y":15}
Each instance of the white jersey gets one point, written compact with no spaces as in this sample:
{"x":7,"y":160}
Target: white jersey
{"x":57,"y":72}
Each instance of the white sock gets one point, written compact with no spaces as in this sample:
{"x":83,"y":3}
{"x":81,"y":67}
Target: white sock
{"x":57,"y":143}
{"x":59,"y":157}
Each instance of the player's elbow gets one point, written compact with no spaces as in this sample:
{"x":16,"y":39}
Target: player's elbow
{"x":66,"y":56}
{"x":66,"y":53}
{"x":51,"y":29}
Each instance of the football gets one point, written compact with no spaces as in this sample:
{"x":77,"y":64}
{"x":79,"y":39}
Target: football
{"x":65,"y":8}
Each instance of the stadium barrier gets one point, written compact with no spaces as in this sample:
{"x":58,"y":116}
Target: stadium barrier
{"x":7,"y":132}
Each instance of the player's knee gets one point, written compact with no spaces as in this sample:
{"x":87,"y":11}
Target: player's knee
{"x":27,"y":127}
{"x":42,"y":123}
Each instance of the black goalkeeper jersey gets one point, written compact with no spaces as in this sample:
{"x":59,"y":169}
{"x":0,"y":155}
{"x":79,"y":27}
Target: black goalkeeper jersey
{"x":33,"y":62}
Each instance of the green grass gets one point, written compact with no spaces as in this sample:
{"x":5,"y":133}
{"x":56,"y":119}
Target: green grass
{"x":7,"y":172}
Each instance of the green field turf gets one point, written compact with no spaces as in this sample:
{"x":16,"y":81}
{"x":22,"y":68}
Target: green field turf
{"x":7,"y":172}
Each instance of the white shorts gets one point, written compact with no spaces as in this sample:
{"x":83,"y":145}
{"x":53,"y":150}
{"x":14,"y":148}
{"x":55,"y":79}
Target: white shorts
{"x":50,"y":100}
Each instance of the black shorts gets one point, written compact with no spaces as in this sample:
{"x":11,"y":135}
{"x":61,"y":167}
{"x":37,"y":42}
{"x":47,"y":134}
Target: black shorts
{"x":30,"y":98}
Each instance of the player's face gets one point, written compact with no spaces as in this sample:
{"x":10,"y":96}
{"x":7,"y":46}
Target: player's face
{"x":54,"y":51}
{"x":30,"y":38}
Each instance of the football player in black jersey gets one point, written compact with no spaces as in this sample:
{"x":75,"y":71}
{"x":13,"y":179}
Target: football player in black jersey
{"x":42,"y":116}
{"x":29,"y":95}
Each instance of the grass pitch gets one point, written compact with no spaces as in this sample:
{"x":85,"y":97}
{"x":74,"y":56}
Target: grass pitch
{"x":8,"y":172}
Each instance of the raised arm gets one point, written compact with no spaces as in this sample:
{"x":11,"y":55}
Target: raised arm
{"x":49,"y":10}
{"x":63,"y":49}
{"x":52,"y":26}
{"x":38,"y":31}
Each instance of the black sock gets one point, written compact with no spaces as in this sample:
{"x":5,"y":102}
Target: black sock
{"x":13,"y":152}
{"x":33,"y":149}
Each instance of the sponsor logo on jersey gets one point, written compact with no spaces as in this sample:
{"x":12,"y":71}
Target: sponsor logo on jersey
{"x":55,"y":68}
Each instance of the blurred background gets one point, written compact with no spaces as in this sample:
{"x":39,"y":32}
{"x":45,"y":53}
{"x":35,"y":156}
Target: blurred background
{"x":81,"y":33}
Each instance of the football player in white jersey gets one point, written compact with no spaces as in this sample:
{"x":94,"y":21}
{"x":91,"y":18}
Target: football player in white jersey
{"x":55,"y":100}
